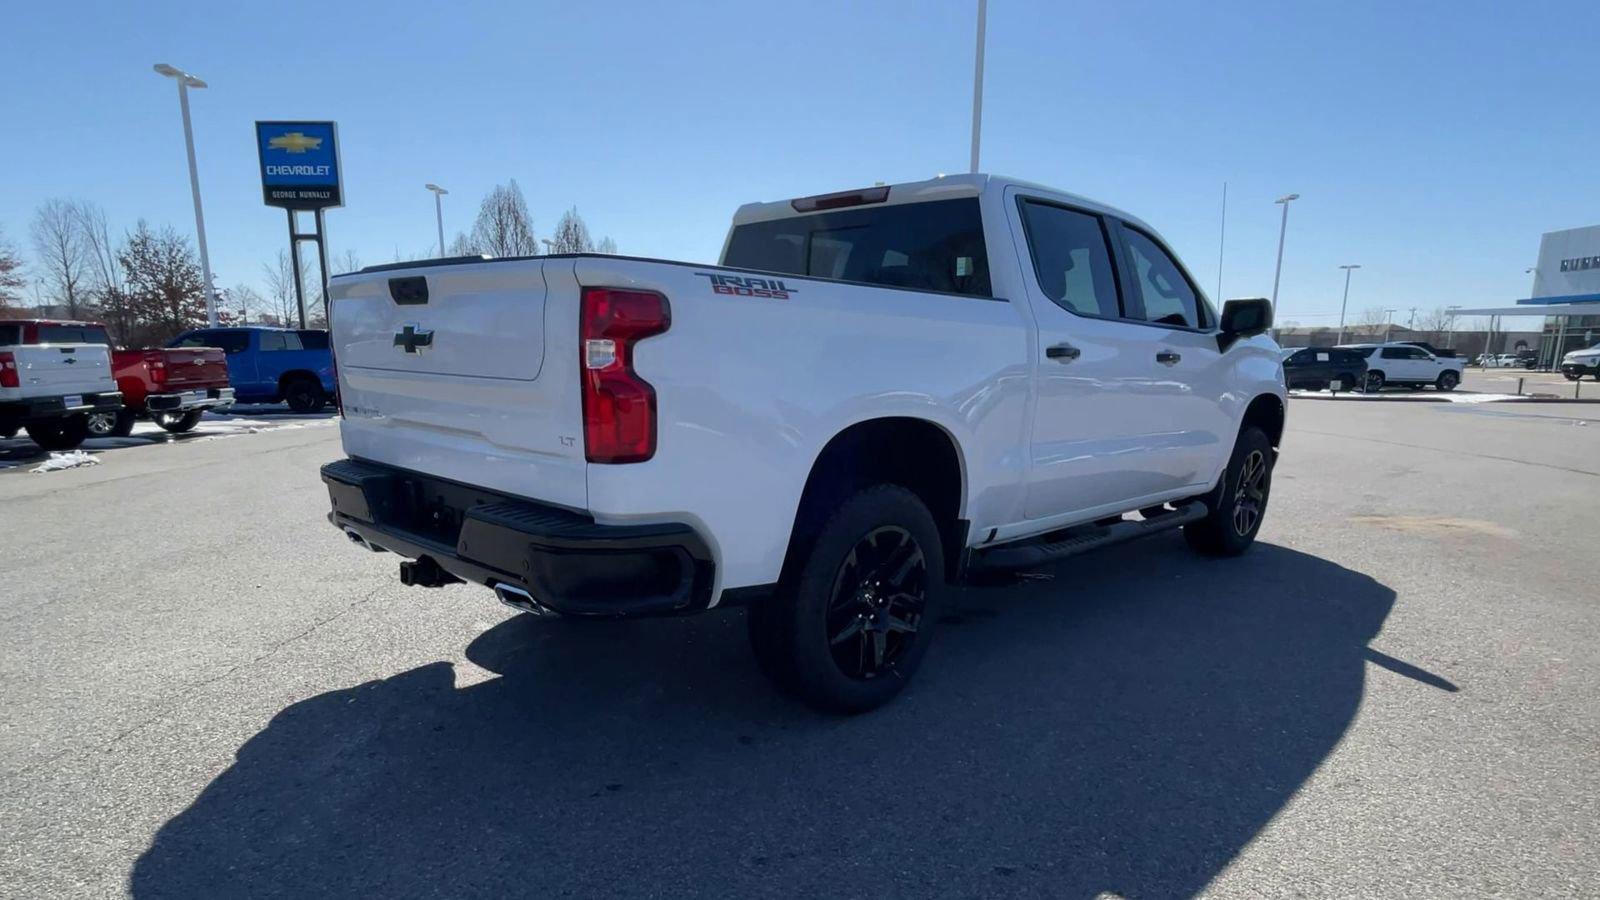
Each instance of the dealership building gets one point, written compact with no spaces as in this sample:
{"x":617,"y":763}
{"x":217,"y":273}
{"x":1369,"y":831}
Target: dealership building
{"x":1566,"y":292}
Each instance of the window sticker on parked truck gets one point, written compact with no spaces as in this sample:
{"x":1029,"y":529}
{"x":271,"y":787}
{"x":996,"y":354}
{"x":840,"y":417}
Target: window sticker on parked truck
{"x":743,"y":286}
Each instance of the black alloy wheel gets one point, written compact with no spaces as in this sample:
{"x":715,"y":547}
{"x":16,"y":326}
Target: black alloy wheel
{"x":1250,"y":498}
{"x":877,"y":604}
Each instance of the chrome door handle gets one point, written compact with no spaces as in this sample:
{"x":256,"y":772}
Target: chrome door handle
{"x":1168,"y":358}
{"x":1063,"y":353}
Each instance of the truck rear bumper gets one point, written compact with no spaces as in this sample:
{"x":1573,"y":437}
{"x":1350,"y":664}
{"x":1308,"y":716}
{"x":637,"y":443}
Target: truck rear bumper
{"x":202,"y":398}
{"x":56,"y":407}
{"x":564,"y":560}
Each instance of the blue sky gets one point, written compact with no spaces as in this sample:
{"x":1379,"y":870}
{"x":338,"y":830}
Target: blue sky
{"x":1431,"y":142}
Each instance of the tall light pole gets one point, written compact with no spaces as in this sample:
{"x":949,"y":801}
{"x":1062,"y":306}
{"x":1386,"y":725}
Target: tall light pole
{"x":977,"y":83}
{"x":186,"y":81}
{"x":438,"y":212}
{"x":1282,"y":230}
{"x":1346,"y":301}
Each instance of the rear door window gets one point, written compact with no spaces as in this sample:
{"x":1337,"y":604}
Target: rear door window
{"x":1071,"y":259}
{"x":279,"y":340}
{"x":933,"y":246}
{"x":313,"y":340}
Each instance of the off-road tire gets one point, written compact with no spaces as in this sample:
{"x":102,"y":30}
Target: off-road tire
{"x":800,"y":633}
{"x":304,"y":395}
{"x":1229,"y":528}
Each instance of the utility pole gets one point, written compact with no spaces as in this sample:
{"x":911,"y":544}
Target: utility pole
{"x":1411,"y":323}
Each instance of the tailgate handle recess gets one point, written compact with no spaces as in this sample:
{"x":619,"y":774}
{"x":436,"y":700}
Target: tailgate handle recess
{"x":411,"y":291}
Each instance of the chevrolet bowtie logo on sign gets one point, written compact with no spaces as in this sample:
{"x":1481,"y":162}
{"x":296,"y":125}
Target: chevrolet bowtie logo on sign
{"x":299,"y":164}
{"x":294,"y":142}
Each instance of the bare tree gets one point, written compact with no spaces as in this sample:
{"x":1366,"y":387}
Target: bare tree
{"x":280,"y":301}
{"x":606,"y":246}
{"x":1372,"y":317}
{"x":462,"y":246}
{"x":64,"y":264}
{"x":1436,"y":319}
{"x":11,"y":280}
{"x":572,"y":236}
{"x":503,"y":226}
{"x":245,"y":302}
{"x":105,"y":281}
{"x":347,"y":261}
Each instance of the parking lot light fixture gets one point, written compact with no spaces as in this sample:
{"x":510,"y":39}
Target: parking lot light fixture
{"x":186,"y":81}
{"x":438,"y":212}
{"x":1283,"y":229}
{"x":1346,"y":301}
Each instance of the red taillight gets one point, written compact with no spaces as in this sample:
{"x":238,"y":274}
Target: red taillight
{"x":619,"y":407}
{"x":9,"y":376}
{"x":158,"y":368}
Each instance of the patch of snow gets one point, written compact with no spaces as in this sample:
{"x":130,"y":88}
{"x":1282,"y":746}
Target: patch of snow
{"x":70,"y":460}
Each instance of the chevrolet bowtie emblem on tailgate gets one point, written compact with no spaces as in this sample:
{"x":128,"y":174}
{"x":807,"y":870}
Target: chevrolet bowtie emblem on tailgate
{"x":413,"y":339}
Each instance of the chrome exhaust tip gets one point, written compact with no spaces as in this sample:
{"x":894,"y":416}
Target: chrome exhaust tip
{"x":519,"y":599}
{"x":356,"y":538}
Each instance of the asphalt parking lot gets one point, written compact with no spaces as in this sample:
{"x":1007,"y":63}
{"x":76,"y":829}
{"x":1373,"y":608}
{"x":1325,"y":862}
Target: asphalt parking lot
{"x":209,"y":692}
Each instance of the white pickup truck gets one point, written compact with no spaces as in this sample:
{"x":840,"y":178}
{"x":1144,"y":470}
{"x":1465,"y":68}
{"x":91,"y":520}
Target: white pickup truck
{"x":53,"y":376}
{"x":876,"y":395}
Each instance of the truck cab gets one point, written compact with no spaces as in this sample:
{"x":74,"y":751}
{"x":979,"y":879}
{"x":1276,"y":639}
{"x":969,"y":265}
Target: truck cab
{"x":272,"y":365}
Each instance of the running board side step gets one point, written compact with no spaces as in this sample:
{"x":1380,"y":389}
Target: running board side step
{"x":1083,"y":538}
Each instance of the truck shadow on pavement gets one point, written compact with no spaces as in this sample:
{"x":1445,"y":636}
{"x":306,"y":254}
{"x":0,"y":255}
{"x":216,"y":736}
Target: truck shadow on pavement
{"x":1128,"y":726}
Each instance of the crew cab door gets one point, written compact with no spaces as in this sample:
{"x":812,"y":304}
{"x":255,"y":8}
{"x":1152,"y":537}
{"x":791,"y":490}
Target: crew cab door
{"x":1122,"y":413}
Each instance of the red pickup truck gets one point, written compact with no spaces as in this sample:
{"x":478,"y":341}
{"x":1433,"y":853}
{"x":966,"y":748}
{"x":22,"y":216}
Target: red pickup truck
{"x":171,"y":387}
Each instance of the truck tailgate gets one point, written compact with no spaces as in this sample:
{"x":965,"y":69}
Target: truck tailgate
{"x":57,"y":369}
{"x":442,"y":371}
{"x":195,"y":367}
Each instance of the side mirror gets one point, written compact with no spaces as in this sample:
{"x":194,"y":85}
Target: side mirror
{"x":1243,"y":319}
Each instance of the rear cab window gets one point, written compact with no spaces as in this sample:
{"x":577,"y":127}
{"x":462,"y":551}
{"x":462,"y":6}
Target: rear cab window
{"x":929,"y":246}
{"x":73,"y":334}
{"x":229,"y":341}
{"x":10,"y":335}
{"x":313,"y":340}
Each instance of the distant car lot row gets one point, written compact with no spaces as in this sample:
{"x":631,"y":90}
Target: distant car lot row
{"x":61,"y":382}
{"x":1372,"y":367}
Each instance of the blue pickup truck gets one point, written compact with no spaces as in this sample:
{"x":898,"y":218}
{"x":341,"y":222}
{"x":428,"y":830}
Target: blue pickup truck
{"x":272,"y":365}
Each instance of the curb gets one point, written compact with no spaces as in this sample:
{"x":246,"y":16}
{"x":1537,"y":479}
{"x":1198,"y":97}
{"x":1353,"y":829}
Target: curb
{"x":1351,"y":397}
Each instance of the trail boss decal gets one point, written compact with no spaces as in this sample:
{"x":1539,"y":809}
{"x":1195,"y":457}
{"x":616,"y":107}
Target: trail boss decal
{"x":748,"y":286}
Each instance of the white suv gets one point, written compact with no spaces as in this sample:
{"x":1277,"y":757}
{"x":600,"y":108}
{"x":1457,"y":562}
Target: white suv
{"x":1407,"y":364}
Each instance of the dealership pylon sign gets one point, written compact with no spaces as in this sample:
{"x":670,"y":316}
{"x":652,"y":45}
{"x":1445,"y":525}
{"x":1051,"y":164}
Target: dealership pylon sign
{"x":300,"y":164}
